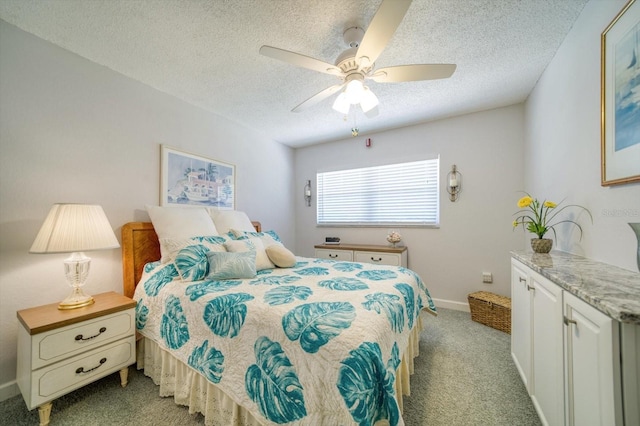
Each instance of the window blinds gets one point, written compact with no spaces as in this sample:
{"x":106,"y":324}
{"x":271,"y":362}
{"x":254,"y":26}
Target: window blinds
{"x":404,"y":194}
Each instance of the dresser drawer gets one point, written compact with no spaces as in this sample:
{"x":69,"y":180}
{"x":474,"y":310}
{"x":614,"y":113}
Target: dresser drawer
{"x":378,"y":258}
{"x":54,"y":345}
{"x":345,"y":255}
{"x":61,"y":378}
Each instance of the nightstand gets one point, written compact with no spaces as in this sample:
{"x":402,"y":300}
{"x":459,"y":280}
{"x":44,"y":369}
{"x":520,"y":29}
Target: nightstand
{"x":365,"y":253}
{"x":62,"y":350}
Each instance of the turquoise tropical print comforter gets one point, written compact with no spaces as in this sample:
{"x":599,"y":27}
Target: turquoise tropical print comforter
{"x":316,"y":344}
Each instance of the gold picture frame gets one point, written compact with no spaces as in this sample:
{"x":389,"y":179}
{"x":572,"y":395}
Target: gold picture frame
{"x":620,"y":98}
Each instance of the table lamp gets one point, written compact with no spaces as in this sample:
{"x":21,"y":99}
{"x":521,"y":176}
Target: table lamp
{"x":75,"y":228}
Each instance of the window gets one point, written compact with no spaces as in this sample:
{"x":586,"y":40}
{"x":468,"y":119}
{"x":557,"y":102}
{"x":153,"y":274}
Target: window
{"x":404,"y":194}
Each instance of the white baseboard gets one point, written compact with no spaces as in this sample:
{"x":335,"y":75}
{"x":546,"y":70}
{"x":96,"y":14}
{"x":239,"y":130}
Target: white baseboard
{"x":9,"y":390}
{"x":450,"y":304}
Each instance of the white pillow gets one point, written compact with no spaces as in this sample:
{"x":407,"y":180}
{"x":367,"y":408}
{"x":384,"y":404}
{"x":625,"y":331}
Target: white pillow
{"x":281,"y":256}
{"x":225,"y":220}
{"x":178,"y":223}
{"x":239,"y":246}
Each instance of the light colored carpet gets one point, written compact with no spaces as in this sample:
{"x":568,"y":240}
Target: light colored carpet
{"x":464,"y":376}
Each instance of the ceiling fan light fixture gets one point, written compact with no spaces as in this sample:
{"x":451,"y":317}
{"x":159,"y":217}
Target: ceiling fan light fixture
{"x":341,"y":104}
{"x":354,"y":91}
{"x":369,"y":100}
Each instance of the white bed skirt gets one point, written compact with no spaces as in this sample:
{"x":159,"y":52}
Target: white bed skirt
{"x":191,"y":389}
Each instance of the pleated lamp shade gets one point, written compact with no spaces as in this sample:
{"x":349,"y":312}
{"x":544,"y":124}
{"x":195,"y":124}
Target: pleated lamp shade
{"x":74,"y":228}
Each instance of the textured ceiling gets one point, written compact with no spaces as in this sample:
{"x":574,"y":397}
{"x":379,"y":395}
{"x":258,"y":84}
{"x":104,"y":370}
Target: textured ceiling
{"x":206,"y":53}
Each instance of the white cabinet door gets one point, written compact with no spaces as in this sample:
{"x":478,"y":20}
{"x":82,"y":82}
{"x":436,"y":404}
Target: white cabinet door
{"x":521,"y":321}
{"x":590,"y":365}
{"x":547,"y":387}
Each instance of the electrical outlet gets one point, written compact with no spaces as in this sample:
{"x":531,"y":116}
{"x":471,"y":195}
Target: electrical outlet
{"x":487,"y":277}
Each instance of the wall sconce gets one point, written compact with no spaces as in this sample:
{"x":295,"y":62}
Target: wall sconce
{"x":454,"y":183}
{"x":307,"y":193}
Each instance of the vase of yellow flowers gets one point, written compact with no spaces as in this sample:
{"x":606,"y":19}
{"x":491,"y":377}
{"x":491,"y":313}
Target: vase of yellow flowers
{"x":539,"y":218}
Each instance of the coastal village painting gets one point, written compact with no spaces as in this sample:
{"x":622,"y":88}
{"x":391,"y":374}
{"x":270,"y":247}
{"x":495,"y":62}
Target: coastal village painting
{"x":188,"y":179}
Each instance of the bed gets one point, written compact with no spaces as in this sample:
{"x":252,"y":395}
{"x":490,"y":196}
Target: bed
{"x":319,"y":343}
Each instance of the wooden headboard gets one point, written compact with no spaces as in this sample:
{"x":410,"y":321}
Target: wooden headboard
{"x":140,"y":246}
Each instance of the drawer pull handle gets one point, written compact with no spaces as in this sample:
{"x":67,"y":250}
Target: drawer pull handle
{"x":84,"y":339}
{"x":333,"y":256}
{"x":376,"y":260}
{"x":568,"y":321}
{"x":82,"y":370}
{"x":530,"y":288}
{"x":523,"y":280}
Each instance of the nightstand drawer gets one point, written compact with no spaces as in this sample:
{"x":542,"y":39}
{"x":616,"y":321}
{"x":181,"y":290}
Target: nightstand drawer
{"x":345,"y":255}
{"x":378,"y":258}
{"x":64,"y":342}
{"x":61,"y":378}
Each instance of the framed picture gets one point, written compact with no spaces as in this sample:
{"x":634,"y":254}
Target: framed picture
{"x":189,"y":179}
{"x":620,"y":103}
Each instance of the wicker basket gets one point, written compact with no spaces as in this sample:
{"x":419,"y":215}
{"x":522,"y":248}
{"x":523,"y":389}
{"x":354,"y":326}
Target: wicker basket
{"x":491,"y":309}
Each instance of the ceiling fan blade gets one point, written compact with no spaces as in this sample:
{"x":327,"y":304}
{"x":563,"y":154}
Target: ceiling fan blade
{"x":318,"y":97}
{"x":403,"y":73}
{"x":300,"y":60}
{"x":381,"y":29}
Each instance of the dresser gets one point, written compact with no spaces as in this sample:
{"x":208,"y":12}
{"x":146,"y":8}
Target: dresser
{"x":575,"y":338}
{"x":364,"y":253}
{"x":62,"y":350}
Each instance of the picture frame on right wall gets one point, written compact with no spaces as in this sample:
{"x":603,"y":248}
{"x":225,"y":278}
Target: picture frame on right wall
{"x":620,"y":98}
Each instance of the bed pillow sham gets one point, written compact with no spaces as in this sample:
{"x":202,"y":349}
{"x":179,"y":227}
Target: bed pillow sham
{"x":281,"y":256}
{"x":239,"y":234}
{"x":225,"y":220}
{"x":227,"y":266}
{"x":173,"y":246}
{"x":239,"y":246}
{"x":179,"y":223}
{"x":191,"y":262}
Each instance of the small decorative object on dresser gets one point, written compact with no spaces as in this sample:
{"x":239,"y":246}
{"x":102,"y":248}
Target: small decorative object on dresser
{"x":540,"y":217}
{"x":62,"y":350}
{"x":394,"y":238}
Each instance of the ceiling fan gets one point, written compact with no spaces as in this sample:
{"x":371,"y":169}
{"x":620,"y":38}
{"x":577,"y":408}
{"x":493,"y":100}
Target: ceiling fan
{"x":356,"y":64}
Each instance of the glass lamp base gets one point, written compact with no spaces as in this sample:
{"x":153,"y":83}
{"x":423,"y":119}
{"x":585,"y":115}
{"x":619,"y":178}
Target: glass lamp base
{"x":76,"y":269}
{"x":77,"y":299}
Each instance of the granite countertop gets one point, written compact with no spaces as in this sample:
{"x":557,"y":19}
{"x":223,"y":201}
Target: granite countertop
{"x":612,"y":290}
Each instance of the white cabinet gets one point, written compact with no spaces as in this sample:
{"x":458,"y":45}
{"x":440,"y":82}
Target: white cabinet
{"x":60,"y":351}
{"x":380,"y":255}
{"x":567,"y":353}
{"x":593,"y":394}
{"x":521,"y":322}
{"x":547,"y":391}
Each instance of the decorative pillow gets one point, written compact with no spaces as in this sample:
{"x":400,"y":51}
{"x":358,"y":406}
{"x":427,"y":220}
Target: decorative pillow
{"x":227,"y":266}
{"x":227,"y":219}
{"x":281,"y":256}
{"x":191,"y":262}
{"x":179,"y":223}
{"x":239,"y":246}
{"x":173,"y":246}
{"x":239,"y":234}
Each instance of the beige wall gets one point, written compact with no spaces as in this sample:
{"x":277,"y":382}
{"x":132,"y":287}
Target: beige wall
{"x":562,"y":144}
{"x":475,"y":233}
{"x":74,"y":131}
